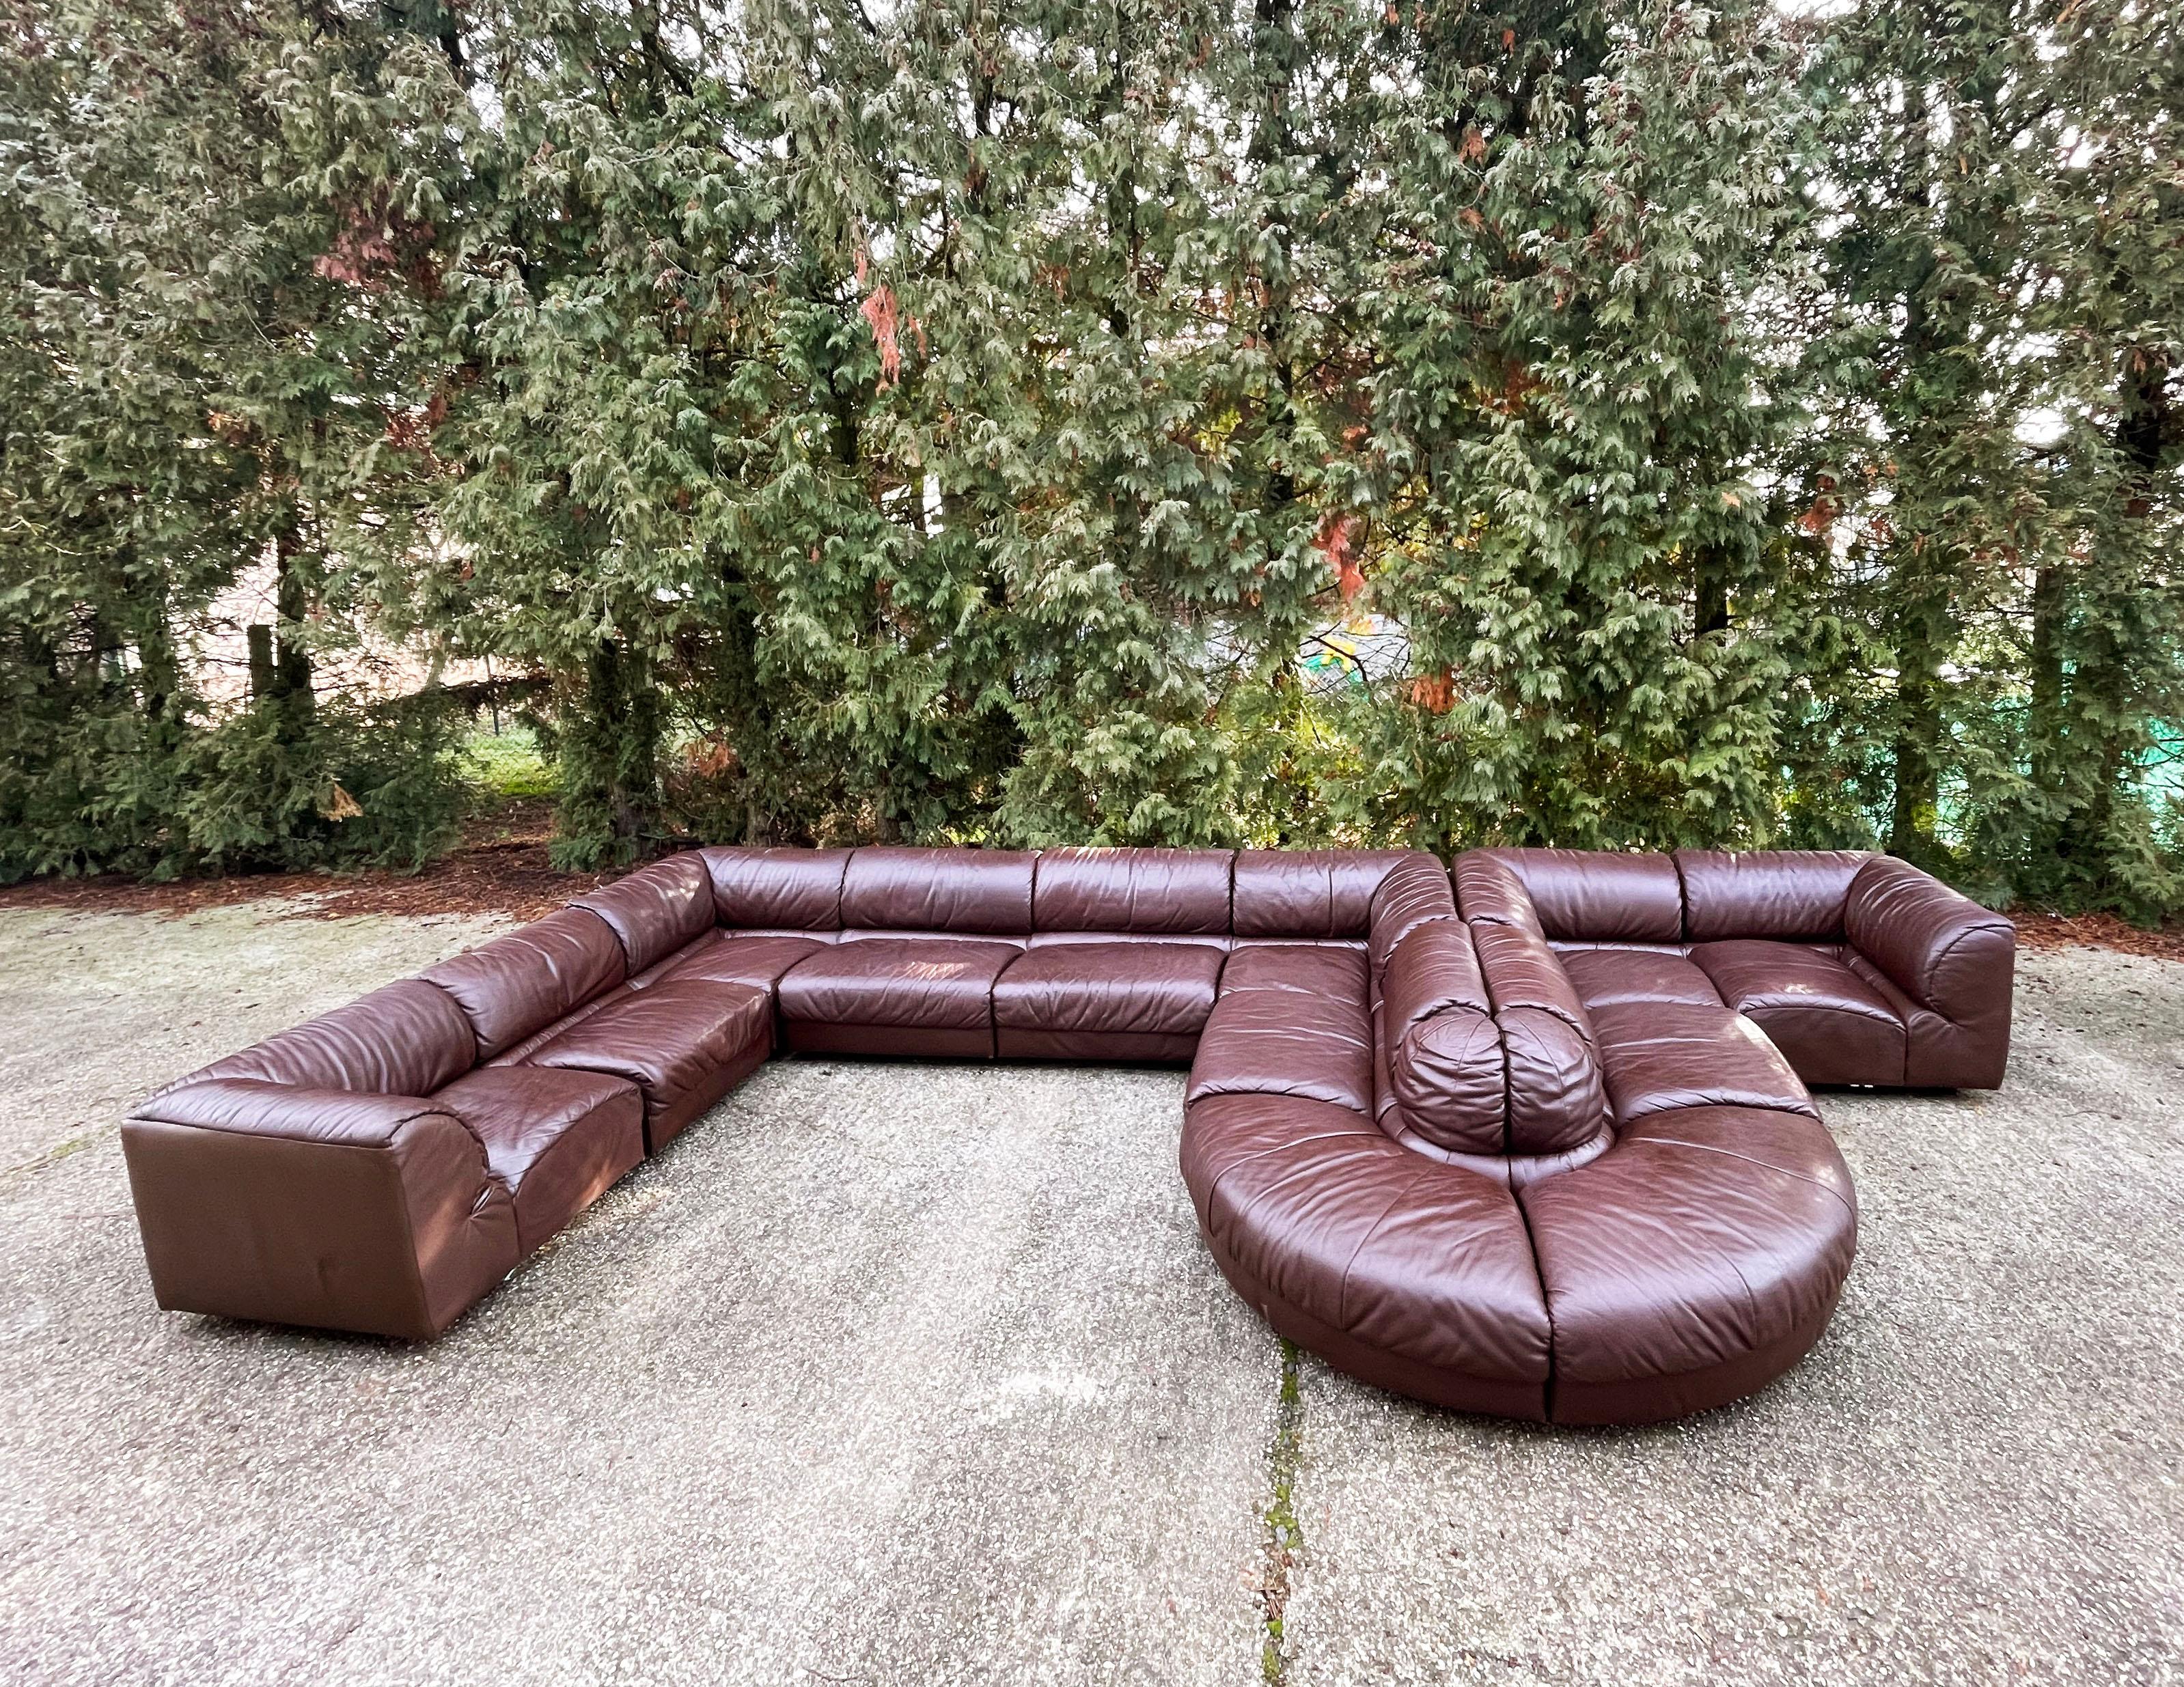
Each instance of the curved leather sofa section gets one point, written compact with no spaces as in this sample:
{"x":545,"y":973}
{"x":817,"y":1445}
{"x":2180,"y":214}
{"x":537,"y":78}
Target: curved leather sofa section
{"x":1529,"y":1137}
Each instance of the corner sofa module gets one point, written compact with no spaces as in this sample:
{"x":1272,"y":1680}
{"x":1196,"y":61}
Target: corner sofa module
{"x":311,"y":1180}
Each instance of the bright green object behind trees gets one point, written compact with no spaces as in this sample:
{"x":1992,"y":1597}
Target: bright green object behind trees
{"x":952,"y":423}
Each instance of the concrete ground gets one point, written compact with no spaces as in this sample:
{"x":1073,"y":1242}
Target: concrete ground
{"x":894,"y":1374}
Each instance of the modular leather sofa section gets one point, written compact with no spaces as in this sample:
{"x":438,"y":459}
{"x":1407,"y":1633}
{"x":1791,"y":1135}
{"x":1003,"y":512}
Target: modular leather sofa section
{"x":1529,"y":1136}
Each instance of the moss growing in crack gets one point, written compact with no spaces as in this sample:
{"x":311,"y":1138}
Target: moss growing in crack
{"x":1284,"y":1535}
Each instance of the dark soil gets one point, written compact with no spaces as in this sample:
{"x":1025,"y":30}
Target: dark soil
{"x":499,"y":867}
{"x":2099,"y":931}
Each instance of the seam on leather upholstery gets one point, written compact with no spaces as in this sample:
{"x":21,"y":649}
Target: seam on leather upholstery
{"x":1401,"y":1198}
{"x":1508,"y":1083}
{"x":283,"y":1135}
{"x":478,"y":1048}
{"x":410,"y":1252}
{"x":579,"y":908}
{"x":485,"y":1158}
{"x":1887,"y":1018}
{"x":413,"y":1267}
{"x":1546,"y":1300}
{"x":1764,"y":1165}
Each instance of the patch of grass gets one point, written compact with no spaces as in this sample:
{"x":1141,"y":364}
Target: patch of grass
{"x":508,"y":764}
{"x":1284,"y":1534}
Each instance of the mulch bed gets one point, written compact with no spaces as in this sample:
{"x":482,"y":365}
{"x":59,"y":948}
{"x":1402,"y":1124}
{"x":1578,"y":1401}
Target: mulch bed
{"x":2099,"y":931}
{"x":500,"y":867}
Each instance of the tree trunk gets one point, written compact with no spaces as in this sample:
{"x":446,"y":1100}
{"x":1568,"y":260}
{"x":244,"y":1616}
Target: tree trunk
{"x":610,"y":765}
{"x":290,"y":682}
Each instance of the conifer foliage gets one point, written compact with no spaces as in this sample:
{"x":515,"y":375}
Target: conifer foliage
{"x":1263,"y":421}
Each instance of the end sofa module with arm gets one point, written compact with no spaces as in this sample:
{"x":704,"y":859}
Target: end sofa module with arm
{"x":1529,"y":1137}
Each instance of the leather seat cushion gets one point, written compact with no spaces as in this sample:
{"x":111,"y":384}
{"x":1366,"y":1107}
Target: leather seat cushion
{"x":1307,"y":969}
{"x":1606,"y":976}
{"x":1283,"y":1043}
{"x":685,"y":1042}
{"x":558,"y":1139}
{"x":1428,"y":1264}
{"x":1658,"y":1056}
{"x":1691,"y":1263}
{"x":1052,"y":1000}
{"x":1833,"y":1027}
{"x":945,"y":983}
{"x":734,"y":958}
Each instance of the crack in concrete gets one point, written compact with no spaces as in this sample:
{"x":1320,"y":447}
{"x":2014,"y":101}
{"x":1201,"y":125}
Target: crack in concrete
{"x":1283,"y":1534}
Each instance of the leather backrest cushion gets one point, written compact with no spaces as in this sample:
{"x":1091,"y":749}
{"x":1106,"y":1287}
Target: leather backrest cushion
{"x":1489,"y":891}
{"x":1557,"y":1088}
{"x":1446,"y":1076}
{"x":1938,"y":946}
{"x":1434,"y":968}
{"x":1139,"y":891}
{"x":1557,"y":1096}
{"x":656,"y":909}
{"x":1599,"y":896}
{"x":1308,"y":892}
{"x":1789,"y":895}
{"x":1442,"y":1048}
{"x":767,"y":889}
{"x":1522,"y":970}
{"x":893,"y":889}
{"x":1416,"y":890}
{"x":515,"y":984}
{"x":405,"y":1038}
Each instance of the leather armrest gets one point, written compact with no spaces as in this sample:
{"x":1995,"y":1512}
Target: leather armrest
{"x":1936,"y":945}
{"x":257,"y":1107}
{"x":1949,"y":958}
{"x":327,"y":1208}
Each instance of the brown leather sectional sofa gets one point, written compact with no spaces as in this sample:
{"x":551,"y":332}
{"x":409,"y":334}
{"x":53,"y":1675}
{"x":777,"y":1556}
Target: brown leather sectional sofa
{"x":1529,"y":1136}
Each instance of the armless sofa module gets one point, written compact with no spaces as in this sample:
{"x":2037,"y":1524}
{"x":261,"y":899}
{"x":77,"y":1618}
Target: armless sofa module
{"x":1528,"y":1136}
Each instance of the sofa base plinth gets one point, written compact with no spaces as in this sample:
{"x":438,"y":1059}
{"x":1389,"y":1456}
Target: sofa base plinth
{"x":1123,"y":1048}
{"x":889,"y":1042}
